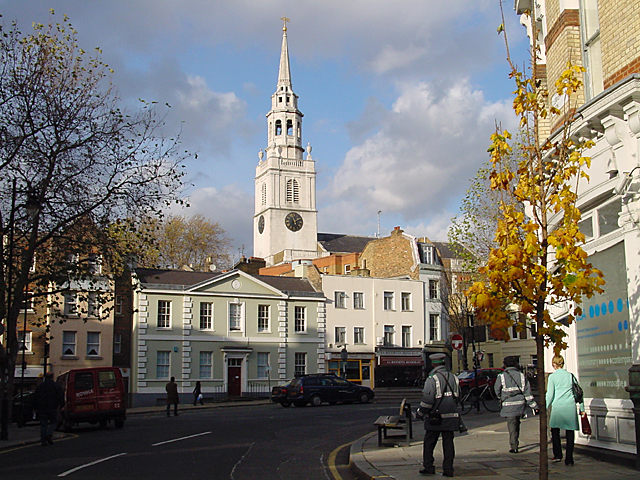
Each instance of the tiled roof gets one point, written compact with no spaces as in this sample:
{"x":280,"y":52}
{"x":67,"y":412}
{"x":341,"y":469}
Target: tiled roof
{"x":445,"y":250}
{"x":342,"y":243}
{"x":289,"y":285}
{"x":173,"y":277}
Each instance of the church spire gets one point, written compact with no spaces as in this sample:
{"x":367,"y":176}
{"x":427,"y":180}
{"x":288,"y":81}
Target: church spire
{"x":284,"y":75}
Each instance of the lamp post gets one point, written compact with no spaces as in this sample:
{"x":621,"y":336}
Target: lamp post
{"x":471,"y":318}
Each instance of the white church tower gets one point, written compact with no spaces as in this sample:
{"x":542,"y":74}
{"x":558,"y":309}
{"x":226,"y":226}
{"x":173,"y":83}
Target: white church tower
{"x":285,"y":223}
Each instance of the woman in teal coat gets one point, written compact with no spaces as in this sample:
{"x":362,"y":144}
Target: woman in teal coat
{"x":563,"y":409}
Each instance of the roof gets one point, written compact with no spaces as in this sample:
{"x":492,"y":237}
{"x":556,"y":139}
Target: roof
{"x":173,"y":277}
{"x":183,"y":278}
{"x":445,"y":250}
{"x":342,"y":243}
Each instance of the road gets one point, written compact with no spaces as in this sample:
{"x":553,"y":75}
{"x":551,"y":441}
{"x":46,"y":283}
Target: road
{"x":238,"y":443}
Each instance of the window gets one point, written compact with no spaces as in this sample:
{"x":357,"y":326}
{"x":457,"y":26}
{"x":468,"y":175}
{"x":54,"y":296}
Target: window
{"x":358,"y":335}
{"x":300,"y":324}
{"x":289,"y":124}
{"x":389,"y":332}
{"x":279,"y":123}
{"x":406,"y":301}
{"x":206,"y":364}
{"x":117,"y":343}
{"x":68,"y":343}
{"x":83,"y":381}
{"x":27,"y":302}
{"x":293,"y":191}
{"x":107,"y":379}
{"x":118,"y":305}
{"x":490,"y":360}
{"x":263,"y":364}
{"x":608,"y":217}
{"x":263,"y":318}
{"x":433,"y":289}
{"x":206,"y":316}
{"x":93,"y":305}
{"x":235,"y":317}
{"x":427,"y":254}
{"x":590,"y":30}
{"x":164,"y":314}
{"x":341,"y":299}
{"x":93,"y":344}
{"x":94,"y":264}
{"x":406,"y":336}
{"x":388,"y":300}
{"x":300,"y":363}
{"x":162,"y":364}
{"x":347,"y":269}
{"x":358,"y":300}
{"x":263,"y":192}
{"x":341,"y":335}
{"x":24,"y":341}
{"x":70,"y":304}
{"x":434,"y":327}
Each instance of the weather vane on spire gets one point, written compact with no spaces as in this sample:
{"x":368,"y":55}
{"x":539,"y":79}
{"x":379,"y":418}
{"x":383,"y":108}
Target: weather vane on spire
{"x":285,"y":20}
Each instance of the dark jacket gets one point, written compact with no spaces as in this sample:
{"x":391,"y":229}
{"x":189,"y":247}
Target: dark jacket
{"x":172,"y":393}
{"x":440,"y":394}
{"x":514,"y":392}
{"x":49,"y":395}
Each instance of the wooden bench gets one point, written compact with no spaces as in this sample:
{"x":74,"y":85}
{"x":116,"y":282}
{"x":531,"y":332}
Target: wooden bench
{"x":402,"y":421}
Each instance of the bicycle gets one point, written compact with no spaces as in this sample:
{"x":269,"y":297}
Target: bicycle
{"x":473,"y":396}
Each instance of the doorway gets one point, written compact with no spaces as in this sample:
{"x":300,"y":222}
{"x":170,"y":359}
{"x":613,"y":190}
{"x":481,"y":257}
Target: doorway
{"x":234,"y":376}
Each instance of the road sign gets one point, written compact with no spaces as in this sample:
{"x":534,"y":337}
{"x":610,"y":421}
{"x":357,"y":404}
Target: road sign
{"x":456,"y":341}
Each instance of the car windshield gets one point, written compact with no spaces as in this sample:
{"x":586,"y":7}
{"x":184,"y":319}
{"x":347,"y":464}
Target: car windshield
{"x":465,"y":375}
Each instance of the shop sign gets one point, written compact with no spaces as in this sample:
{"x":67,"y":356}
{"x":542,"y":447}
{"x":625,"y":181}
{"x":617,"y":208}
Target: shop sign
{"x":400,"y":361}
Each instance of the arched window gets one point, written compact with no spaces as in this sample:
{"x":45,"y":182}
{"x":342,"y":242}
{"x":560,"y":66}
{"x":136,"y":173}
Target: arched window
{"x":293,"y":191}
{"x":298,"y":129}
{"x":289,"y":127}
{"x":264,"y":193}
{"x":278,"y":127}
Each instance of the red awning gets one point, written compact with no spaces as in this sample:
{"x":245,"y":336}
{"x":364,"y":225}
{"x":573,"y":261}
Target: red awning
{"x":400,"y":361}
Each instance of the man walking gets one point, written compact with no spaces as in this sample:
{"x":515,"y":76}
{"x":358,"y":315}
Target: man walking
{"x":48,"y":397}
{"x":514,"y":392}
{"x":172,"y":397}
{"x":439,"y":409}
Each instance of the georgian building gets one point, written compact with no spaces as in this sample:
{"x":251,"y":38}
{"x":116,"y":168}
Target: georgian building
{"x":235,"y":333}
{"x":602,"y":36}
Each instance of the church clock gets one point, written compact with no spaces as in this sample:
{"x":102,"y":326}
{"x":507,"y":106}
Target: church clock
{"x":293,"y":221}
{"x":261,"y":224}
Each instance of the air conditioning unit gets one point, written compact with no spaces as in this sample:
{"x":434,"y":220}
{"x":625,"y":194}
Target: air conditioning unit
{"x":379,"y":341}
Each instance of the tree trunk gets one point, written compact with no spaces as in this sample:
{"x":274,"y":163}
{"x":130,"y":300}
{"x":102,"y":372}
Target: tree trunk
{"x":543,"y":473}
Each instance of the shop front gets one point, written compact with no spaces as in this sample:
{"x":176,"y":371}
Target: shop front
{"x":357,"y":367}
{"x":398,"y":367}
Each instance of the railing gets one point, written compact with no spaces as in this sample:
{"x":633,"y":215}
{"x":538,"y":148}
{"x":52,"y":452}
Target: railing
{"x":257,"y":390}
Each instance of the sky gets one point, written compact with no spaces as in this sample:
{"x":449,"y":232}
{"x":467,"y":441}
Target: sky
{"x":399,"y":98}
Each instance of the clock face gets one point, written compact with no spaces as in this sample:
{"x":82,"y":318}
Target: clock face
{"x":293,"y":221}
{"x":261,"y":224}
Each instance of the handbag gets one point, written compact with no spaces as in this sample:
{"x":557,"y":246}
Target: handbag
{"x":576,"y":389}
{"x":586,"y":426}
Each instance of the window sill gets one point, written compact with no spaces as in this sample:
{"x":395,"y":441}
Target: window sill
{"x":264,"y":332}
{"x":93,"y":357}
{"x":300,"y":333}
{"x":164,"y":328}
{"x":407,"y":310}
{"x":69,"y":357}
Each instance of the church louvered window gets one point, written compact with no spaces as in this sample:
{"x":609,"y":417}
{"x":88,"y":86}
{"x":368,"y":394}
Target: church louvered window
{"x":293,"y":191}
{"x":289,"y":127}
{"x":264,"y":193}
{"x":278,"y":127}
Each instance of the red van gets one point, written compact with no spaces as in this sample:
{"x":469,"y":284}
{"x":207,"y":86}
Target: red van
{"x":93,"y":395}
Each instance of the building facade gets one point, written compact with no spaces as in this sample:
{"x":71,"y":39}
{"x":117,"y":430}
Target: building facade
{"x":602,"y":36}
{"x":285,"y":225}
{"x":233,"y":332}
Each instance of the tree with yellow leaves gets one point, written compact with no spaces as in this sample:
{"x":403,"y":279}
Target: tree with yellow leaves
{"x":538,"y":261}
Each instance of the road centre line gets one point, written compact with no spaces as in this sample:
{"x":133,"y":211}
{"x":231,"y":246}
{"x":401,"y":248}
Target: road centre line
{"x":182,"y":438}
{"x":64,"y":474}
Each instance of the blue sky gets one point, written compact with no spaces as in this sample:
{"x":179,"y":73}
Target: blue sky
{"x":399,"y":97}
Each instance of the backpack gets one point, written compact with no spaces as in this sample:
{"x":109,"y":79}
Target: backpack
{"x":576,"y":389}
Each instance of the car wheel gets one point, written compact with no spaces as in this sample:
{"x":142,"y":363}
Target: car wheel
{"x":119,"y":422}
{"x":316,"y":401}
{"x":363,"y":397}
{"x":103,"y":423}
{"x":285,"y":404}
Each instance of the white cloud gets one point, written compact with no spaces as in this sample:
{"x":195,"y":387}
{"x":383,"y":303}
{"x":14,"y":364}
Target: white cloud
{"x":391,"y":58}
{"x":420,"y":161}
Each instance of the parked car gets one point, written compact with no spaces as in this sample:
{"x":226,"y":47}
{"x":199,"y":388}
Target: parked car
{"x":485,"y":375}
{"x":26,"y":399}
{"x":325,"y":387}
{"x":93,"y":395}
{"x":279,"y":395}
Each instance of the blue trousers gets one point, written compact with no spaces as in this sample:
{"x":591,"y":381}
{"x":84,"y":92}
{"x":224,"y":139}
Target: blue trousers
{"x":48,"y":422}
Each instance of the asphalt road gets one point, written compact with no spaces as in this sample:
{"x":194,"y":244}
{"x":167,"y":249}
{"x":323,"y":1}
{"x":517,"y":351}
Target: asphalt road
{"x":238,"y":443}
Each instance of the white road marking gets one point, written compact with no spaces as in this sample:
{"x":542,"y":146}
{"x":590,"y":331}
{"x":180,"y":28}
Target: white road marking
{"x":182,"y":438}
{"x":90,"y":464}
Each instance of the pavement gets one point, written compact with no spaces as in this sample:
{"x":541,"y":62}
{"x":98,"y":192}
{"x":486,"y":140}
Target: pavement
{"x":482,"y":454}
{"x":30,"y":434}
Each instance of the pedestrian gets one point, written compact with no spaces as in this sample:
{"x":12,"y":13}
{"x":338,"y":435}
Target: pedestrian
{"x":514,"y":392}
{"x":197,"y":394}
{"x":438,"y":407}
{"x":48,"y":397}
{"x":563,"y":409}
{"x":172,"y":397}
